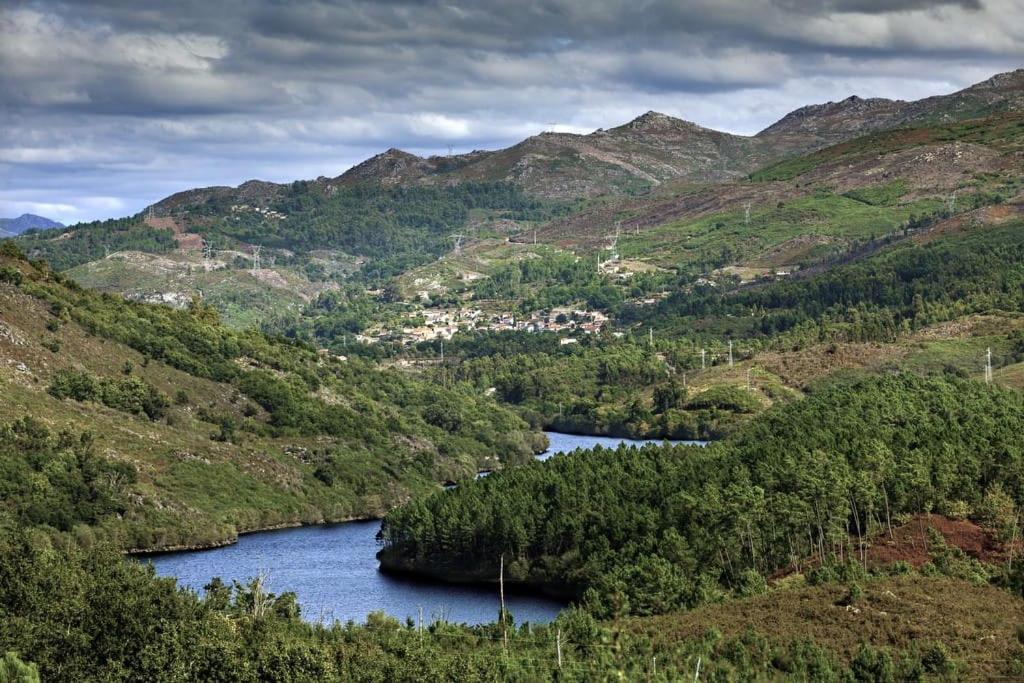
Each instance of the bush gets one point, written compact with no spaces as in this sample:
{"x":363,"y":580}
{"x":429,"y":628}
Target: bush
{"x":10,"y":250}
{"x":128,"y":394}
{"x":13,"y":670}
{"x":10,"y":275}
{"x":724,"y":397}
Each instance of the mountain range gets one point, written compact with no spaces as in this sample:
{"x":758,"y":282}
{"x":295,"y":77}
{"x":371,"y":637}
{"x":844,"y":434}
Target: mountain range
{"x":655,"y":147}
{"x":677,"y":189}
{"x":652,"y":149}
{"x":9,"y":227}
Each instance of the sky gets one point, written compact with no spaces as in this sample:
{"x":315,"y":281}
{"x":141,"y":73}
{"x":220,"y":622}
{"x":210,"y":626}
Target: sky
{"x":107,"y":106}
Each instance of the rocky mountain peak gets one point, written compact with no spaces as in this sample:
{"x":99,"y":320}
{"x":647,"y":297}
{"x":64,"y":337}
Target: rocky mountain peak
{"x":655,"y":121}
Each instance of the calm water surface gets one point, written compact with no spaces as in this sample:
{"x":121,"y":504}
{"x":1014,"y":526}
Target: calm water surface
{"x":333,"y":569}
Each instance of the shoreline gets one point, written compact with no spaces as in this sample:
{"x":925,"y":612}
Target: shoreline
{"x":223,"y":543}
{"x":232,"y":540}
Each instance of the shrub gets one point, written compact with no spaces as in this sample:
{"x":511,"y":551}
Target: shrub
{"x":128,"y":394}
{"x":13,"y":670}
{"x":10,"y":275}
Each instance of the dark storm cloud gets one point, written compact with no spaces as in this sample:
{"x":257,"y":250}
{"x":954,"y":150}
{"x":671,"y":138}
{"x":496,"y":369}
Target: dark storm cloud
{"x":110,"y":104}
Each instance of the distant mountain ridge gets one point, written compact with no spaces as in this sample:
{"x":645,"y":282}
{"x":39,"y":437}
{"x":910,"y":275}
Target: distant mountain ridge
{"x":655,"y":147}
{"x":9,"y":227}
{"x":651,"y":149}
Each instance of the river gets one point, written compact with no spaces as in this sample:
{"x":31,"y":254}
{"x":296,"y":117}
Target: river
{"x":333,"y":570}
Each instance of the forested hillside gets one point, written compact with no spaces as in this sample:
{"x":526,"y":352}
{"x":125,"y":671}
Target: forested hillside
{"x":395,"y":227}
{"x":664,"y":528}
{"x":178,"y":430}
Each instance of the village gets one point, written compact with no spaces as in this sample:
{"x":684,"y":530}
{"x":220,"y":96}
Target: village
{"x":443,"y":323}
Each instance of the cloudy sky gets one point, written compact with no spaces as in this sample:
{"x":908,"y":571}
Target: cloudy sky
{"x":109,"y":105}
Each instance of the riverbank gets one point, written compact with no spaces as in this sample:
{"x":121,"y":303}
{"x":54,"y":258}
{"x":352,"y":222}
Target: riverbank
{"x":223,"y":543}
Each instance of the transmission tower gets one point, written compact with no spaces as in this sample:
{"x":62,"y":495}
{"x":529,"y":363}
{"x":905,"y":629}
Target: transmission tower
{"x":951,"y":202}
{"x":207,"y":250}
{"x":746,"y":214}
{"x":988,"y":367}
{"x":256,"y":248}
{"x":730,"y":353}
{"x":457,"y":242}
{"x":613,"y":247}
{"x":703,"y":355}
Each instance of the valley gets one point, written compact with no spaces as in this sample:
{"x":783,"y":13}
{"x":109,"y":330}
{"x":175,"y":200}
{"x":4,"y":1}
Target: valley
{"x":835,"y":304}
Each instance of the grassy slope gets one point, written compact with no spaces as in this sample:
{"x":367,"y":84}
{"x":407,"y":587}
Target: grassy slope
{"x":835,"y":218}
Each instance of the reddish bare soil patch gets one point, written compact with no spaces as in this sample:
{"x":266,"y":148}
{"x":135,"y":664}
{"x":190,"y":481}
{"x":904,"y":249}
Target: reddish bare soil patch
{"x":978,"y":218}
{"x":910,"y":541}
{"x":187,"y":241}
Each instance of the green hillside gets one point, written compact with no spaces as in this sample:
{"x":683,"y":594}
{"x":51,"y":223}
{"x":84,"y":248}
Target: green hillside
{"x":212,"y":431}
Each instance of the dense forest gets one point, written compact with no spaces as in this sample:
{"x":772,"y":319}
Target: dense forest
{"x":601,"y":385}
{"x":663,"y":528}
